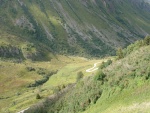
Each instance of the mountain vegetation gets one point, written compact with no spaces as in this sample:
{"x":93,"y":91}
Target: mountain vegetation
{"x":47,"y":46}
{"x":115,"y":88}
{"x":37,"y":29}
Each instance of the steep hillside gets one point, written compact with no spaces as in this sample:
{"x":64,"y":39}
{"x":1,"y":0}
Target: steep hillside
{"x":86,"y":28}
{"x":118,"y":87}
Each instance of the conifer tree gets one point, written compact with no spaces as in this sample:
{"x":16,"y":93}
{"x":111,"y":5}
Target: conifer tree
{"x":119,"y":53}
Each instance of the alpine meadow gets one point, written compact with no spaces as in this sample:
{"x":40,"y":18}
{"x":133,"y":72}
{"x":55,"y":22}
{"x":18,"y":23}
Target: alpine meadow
{"x":74,"y":56}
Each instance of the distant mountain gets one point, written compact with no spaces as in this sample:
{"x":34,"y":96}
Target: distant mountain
{"x":84,"y":27}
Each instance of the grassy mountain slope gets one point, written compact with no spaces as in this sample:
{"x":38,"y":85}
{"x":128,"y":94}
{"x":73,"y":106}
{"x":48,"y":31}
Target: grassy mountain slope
{"x":119,"y":87}
{"x":20,"y":82}
{"x":33,"y":33}
{"x":128,"y":85}
{"x":86,"y":28}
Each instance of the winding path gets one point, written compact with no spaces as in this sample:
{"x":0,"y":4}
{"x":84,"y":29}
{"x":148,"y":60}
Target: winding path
{"x":94,"y":68}
{"x":23,"y":110}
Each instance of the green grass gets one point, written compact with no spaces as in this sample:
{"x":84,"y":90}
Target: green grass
{"x":14,"y":81}
{"x":125,"y":92}
{"x":128,"y":101}
{"x":15,"y":78}
{"x":121,"y":87}
{"x":39,"y":51}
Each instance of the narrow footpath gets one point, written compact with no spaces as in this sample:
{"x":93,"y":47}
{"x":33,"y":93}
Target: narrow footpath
{"x":94,"y":68}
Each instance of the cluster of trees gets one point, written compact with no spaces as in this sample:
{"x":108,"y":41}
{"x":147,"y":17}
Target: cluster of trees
{"x":45,"y":76}
{"x":121,"y":53}
{"x":105,"y":64}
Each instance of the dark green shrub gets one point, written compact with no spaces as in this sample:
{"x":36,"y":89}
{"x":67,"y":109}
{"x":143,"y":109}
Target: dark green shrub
{"x":38,"y":96}
{"x":30,"y":69}
{"x":147,"y":76}
{"x":95,"y":99}
{"x":79,"y":76}
{"x":109,"y":62}
{"x":105,"y":64}
{"x":39,"y":82}
{"x":45,"y":78}
{"x":99,"y":75}
{"x":119,"y":53}
{"x":102,"y":65}
{"x":41,"y":71}
{"x":147,"y":40}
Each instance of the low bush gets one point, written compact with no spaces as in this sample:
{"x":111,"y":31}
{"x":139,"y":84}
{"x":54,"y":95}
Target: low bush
{"x":120,"y":53}
{"x":99,"y":76}
{"x":147,"y":76}
{"x":147,"y":40}
{"x":30,"y":69}
{"x":105,"y":64}
{"x":38,"y":96}
{"x":79,"y":76}
{"x":41,"y":71}
{"x":43,"y":80}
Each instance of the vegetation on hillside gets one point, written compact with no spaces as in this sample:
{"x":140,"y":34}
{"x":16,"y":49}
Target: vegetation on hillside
{"x":21,"y":81}
{"x":138,"y":44}
{"x":115,"y":85}
{"x":38,"y":40}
